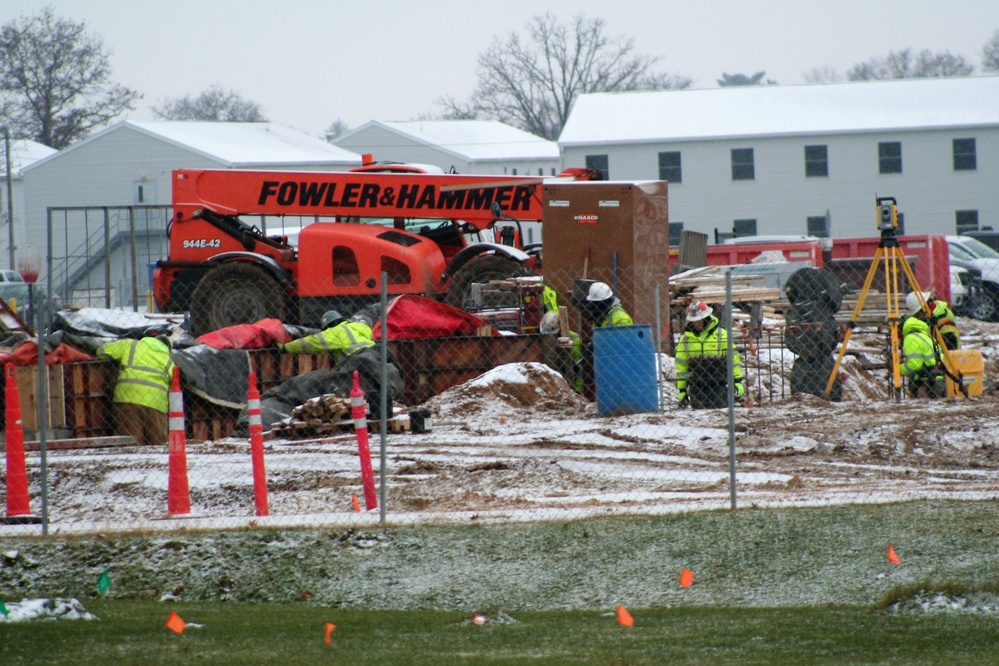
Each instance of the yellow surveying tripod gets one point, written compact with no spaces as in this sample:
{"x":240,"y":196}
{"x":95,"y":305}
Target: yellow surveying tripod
{"x":890,"y":254}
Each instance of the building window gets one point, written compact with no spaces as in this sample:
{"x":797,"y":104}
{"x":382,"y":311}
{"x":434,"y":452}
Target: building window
{"x":890,"y":157}
{"x":742,"y":164}
{"x":742,"y":228}
{"x":541,"y":171}
{"x":965,"y":158}
{"x":966,"y":220}
{"x":675,"y":231}
{"x":818,"y":226}
{"x":514,"y":171}
{"x":669,"y":167}
{"x":816,"y":161}
{"x":599,"y":164}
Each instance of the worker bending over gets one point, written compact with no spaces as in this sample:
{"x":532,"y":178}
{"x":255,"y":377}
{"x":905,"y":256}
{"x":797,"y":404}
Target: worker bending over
{"x":339,"y":337}
{"x":941,"y":317}
{"x":702,"y":363}
{"x":922,"y":360}
{"x":142,"y":395}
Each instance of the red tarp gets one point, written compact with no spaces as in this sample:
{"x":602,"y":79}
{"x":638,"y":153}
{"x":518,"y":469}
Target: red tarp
{"x":258,"y":335}
{"x":414,"y":317}
{"x":26,"y":353}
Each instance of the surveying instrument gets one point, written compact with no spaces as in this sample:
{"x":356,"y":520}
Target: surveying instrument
{"x":890,"y":254}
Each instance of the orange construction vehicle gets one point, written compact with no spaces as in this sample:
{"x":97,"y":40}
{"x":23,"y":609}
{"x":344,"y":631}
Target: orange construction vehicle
{"x":432,"y":234}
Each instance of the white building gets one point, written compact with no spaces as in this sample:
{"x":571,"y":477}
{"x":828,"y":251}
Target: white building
{"x":806,"y":159}
{"x":22,"y":154}
{"x":129,"y":164}
{"x":469,"y":146}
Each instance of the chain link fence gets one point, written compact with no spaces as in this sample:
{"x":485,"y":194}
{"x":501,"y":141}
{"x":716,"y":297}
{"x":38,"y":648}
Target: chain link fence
{"x":478,"y":413}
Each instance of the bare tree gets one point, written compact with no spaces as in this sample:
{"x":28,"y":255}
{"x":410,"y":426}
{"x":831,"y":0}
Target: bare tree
{"x":824,"y":74}
{"x":336,"y":128}
{"x":904,"y":65}
{"x":990,"y":54}
{"x":742,"y":80}
{"x":532,"y":82}
{"x":55,"y":80}
{"x":212,"y":104}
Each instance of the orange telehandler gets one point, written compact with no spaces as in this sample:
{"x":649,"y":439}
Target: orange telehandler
{"x":432,"y":234}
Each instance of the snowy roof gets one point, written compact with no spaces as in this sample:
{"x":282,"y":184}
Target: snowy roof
{"x":239,"y":144}
{"x":741,"y":111}
{"x":472,"y":140}
{"x":24,"y":152}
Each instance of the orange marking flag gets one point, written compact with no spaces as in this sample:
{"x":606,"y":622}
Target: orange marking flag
{"x":330,"y":628}
{"x":624,"y":617}
{"x":357,"y":505}
{"x":686,"y":577}
{"x":892,"y":557}
{"x":175,"y":624}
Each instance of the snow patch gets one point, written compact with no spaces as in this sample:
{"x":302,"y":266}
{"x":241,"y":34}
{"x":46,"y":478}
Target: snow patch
{"x":28,"y":610}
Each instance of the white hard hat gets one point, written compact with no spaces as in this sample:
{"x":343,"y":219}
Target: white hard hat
{"x":697,"y":311}
{"x":912,"y":301}
{"x":549,"y":323}
{"x":599,"y":291}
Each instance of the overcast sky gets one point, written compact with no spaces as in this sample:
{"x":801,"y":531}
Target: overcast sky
{"x":310,"y":62}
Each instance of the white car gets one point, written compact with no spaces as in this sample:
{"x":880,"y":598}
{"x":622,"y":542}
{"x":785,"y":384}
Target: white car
{"x":973,"y":255}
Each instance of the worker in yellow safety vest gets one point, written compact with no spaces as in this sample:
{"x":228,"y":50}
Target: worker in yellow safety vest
{"x":339,"y":337}
{"x":941,"y":316}
{"x":702,"y":363}
{"x":922,"y":362}
{"x":603,"y":309}
{"x":141,"y":396}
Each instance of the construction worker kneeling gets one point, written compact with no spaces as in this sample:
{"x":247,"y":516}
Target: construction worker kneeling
{"x":702,"y":363}
{"x":922,"y":362}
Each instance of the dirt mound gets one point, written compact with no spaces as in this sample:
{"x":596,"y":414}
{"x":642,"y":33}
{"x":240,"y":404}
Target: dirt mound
{"x":530,"y":387}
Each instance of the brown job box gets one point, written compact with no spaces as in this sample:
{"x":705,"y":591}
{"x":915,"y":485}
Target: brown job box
{"x":615,"y":232}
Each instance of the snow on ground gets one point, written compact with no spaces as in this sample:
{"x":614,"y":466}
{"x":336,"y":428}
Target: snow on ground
{"x":519,"y":444}
{"x":45,"y":609}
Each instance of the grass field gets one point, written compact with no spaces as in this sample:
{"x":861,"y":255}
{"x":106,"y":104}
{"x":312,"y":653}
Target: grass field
{"x":131,"y":632}
{"x":772,"y":586}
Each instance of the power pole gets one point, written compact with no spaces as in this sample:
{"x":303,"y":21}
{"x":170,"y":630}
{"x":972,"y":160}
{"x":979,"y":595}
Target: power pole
{"x":10,"y":195}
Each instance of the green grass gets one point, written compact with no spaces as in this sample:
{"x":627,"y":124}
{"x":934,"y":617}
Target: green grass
{"x":132,"y":632}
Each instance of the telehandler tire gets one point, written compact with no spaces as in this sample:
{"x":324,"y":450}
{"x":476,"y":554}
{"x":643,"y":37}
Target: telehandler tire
{"x":481,"y":270}
{"x":235,"y":293}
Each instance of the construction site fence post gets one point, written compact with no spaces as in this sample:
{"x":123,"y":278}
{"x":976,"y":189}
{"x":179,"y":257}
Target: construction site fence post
{"x":730,"y":373}
{"x":385,"y":404}
{"x":658,"y":341}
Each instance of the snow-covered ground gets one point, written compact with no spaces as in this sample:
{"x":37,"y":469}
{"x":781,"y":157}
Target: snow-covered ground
{"x":518,"y":444}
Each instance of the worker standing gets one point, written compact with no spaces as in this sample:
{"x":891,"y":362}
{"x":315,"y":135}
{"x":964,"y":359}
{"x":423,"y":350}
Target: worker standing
{"x":702,"y":363}
{"x":600,"y":308}
{"x":141,"y":396}
{"x":339,"y":337}
{"x":941,"y":316}
{"x":922,"y":360}
{"x":603,"y":309}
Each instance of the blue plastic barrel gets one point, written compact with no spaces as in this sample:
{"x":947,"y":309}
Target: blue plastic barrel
{"x":624,"y":367}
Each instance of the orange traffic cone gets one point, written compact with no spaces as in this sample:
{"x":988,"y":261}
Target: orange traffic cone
{"x":257,"y":446}
{"x":178,"y":493}
{"x":624,"y":617}
{"x":359,"y":412}
{"x":18,"y":500}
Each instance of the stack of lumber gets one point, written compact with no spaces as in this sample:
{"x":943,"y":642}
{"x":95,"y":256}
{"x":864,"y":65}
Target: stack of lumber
{"x":325,"y":414}
{"x":707,"y":284}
